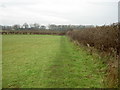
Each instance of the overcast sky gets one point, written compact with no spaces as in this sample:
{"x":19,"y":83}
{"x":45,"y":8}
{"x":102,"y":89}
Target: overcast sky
{"x":84,"y":12}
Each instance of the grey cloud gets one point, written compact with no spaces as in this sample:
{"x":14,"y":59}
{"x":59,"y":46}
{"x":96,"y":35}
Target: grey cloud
{"x":58,"y":11}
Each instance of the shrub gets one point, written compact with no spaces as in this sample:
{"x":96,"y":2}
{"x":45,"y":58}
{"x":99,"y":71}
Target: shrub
{"x":104,"y":38}
{"x":107,"y":40}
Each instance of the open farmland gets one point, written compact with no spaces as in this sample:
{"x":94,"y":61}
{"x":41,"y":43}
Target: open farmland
{"x":44,"y":61}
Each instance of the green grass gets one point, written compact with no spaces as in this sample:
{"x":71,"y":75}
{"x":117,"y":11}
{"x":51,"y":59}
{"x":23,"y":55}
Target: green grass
{"x":44,"y":61}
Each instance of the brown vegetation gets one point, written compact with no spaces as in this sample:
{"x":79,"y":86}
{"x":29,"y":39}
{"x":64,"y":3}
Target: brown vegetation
{"x":106,"y":40}
{"x":37,"y":32}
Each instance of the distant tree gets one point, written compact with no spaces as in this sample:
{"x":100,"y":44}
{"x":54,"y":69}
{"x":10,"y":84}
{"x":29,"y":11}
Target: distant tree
{"x":31,"y":26}
{"x":42,"y":27}
{"x":25,"y":25}
{"x":36,"y":26}
{"x":16,"y":27}
{"x":52,"y":27}
{"x":6,"y":27}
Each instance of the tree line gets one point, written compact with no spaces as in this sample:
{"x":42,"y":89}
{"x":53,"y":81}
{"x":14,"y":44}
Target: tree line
{"x":37,"y":26}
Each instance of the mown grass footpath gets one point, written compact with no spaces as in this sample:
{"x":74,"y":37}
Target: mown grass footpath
{"x":44,"y":61}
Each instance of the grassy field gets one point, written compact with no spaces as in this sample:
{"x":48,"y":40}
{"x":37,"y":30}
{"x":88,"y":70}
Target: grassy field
{"x":44,"y":61}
